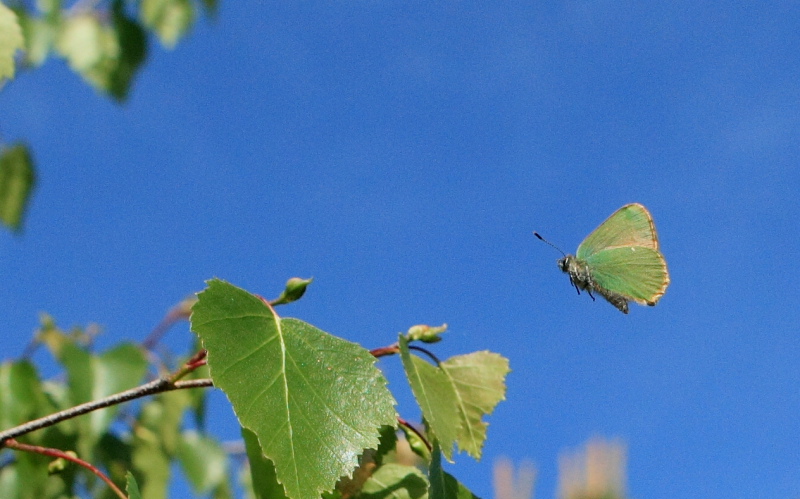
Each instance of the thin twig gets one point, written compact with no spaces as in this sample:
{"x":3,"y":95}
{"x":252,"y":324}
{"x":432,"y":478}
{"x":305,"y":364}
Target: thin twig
{"x":46,"y":451}
{"x":156,"y":386}
{"x":384,"y":351}
{"x":426,"y":352}
{"x":180,"y":311}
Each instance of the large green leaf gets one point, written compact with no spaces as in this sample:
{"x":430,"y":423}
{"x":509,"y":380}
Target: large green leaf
{"x":395,"y":481}
{"x":443,"y":484}
{"x":314,"y":401}
{"x":435,"y":395}
{"x":16,"y":183}
{"x":10,"y":41}
{"x":478,"y":379}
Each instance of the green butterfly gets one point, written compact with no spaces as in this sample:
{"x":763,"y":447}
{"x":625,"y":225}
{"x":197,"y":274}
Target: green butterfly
{"x":619,"y":260}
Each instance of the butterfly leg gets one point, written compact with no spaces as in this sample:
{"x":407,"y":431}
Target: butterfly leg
{"x":590,"y":294}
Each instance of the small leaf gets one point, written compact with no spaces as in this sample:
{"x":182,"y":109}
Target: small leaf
{"x":132,"y":40}
{"x":443,"y":485}
{"x":396,"y":481}
{"x":40,"y":35}
{"x":84,"y":42}
{"x":315,"y":401}
{"x":16,"y":183}
{"x":435,"y":395}
{"x":107,"y":55}
{"x":11,"y":40}
{"x":170,"y":19}
{"x":133,"y":488}
{"x":203,"y":461}
{"x":479,"y":382}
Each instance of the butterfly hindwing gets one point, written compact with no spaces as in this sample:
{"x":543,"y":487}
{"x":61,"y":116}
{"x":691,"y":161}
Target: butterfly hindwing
{"x":636,"y":272}
{"x":629,"y":226}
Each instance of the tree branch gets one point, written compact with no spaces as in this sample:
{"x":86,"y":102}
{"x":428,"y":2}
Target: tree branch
{"x":156,"y":386}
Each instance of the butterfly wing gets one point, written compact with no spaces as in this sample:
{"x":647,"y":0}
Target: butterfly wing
{"x":636,"y":272}
{"x":629,"y":226}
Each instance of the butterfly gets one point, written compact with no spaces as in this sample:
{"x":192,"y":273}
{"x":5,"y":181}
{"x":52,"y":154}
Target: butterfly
{"x":619,"y":260}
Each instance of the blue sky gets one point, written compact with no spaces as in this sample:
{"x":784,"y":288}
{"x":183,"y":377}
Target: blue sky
{"x":401,"y":153}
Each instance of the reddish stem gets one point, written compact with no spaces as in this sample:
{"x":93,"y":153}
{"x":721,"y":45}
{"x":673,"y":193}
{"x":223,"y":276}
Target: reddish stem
{"x":384,"y":351}
{"x":46,"y":451}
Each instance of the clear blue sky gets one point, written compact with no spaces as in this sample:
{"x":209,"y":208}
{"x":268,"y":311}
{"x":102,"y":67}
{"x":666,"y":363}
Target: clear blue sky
{"x":401,"y":153}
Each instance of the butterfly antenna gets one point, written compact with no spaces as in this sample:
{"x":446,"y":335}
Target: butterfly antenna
{"x":548,"y":242}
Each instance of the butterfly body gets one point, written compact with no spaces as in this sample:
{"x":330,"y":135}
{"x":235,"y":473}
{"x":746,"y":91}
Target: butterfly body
{"x":580,"y":276}
{"x":620,"y":260}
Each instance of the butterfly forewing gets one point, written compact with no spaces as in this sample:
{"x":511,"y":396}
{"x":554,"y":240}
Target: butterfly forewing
{"x":637,"y":272}
{"x":629,"y":226}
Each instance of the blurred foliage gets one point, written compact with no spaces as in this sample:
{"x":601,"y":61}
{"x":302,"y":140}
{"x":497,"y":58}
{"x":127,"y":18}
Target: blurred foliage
{"x":316,"y":416}
{"x":596,"y":471}
{"x":104,"y":42}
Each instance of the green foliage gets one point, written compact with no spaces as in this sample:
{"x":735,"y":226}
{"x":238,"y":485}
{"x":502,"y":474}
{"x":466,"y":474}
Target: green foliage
{"x":169,"y":19}
{"x":105,"y":43}
{"x":443,"y":484}
{"x":396,"y":481}
{"x":317,"y":418}
{"x":305,"y":387}
{"x":16,"y":183}
{"x":435,"y":396}
{"x":11,"y":40}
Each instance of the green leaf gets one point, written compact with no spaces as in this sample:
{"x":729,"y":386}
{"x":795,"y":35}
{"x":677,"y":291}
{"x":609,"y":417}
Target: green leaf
{"x":315,"y":401}
{"x":132,"y":41}
{"x":106,"y":55}
{"x":435,"y":395}
{"x":40,"y":35}
{"x":84,"y":42}
{"x":395,"y":481}
{"x":151,"y":461}
{"x":478,"y":380}
{"x":11,"y":40}
{"x":20,"y":394}
{"x":203,"y":461}
{"x":16,"y":183}
{"x":170,"y":19}
{"x":92,"y":377}
{"x":262,"y":472}
{"x":443,"y":485}
{"x":133,"y":488}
